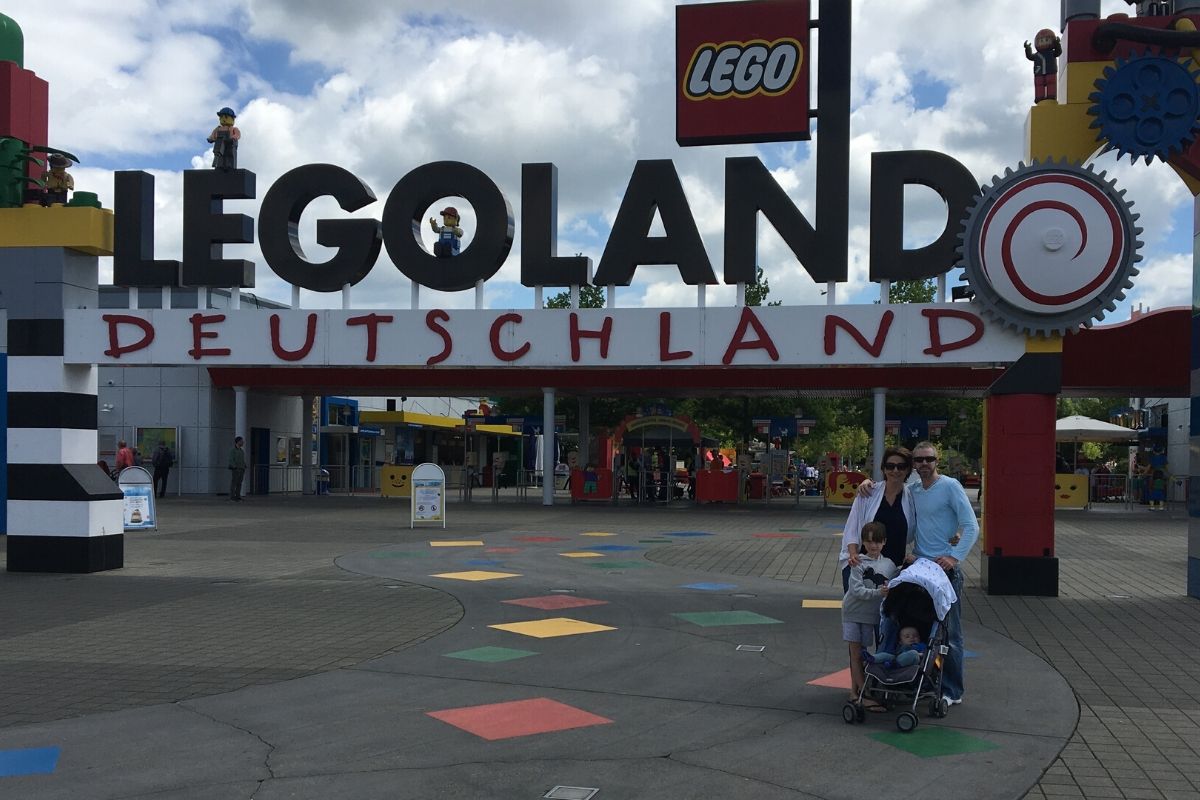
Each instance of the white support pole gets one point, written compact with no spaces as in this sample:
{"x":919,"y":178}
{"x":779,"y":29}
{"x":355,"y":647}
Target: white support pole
{"x":166,"y":298}
{"x":941,"y":288}
{"x":240,"y":424}
{"x":235,"y":297}
{"x":585,"y":431}
{"x":575,"y":296}
{"x":831,"y":293}
{"x":346,"y":306}
{"x":133,"y":297}
{"x":295,"y":296}
{"x":478,"y":295}
{"x":548,"y":447}
{"x":612,"y":296}
{"x":741,"y":294}
{"x":415,"y":297}
{"x":701,"y":295}
{"x":306,"y":434}
{"x":202,"y":297}
{"x":877,"y":432}
{"x":885,"y":292}
{"x":537,"y":297}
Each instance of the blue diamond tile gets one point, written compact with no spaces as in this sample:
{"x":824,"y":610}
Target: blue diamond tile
{"x":709,"y":587}
{"x":37,"y":761}
{"x":689,"y":533}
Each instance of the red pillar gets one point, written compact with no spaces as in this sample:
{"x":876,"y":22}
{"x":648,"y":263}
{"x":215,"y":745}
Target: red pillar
{"x":1018,"y":497}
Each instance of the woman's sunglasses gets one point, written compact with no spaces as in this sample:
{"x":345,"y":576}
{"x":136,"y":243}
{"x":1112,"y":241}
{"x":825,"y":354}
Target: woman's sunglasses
{"x":895,"y":465}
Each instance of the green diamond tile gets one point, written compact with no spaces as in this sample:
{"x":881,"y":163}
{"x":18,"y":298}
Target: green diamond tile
{"x":491,"y":654}
{"x":713,"y":619}
{"x":934,"y":742}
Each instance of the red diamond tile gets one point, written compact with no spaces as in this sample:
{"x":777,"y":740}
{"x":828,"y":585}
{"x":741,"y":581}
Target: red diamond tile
{"x":519,"y":718}
{"x":554,"y":601}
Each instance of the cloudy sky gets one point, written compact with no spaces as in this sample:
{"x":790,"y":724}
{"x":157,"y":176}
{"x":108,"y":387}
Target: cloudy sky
{"x":382,"y":86}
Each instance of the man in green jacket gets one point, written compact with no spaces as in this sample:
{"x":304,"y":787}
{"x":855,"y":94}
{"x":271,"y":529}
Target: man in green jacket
{"x":237,"y":468}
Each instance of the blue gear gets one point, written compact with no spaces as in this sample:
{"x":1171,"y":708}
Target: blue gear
{"x":1146,"y":105}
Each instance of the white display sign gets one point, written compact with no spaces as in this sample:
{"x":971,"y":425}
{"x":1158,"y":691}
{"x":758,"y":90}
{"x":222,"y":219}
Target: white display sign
{"x":138,"y":489}
{"x":865,"y":335}
{"x":428,"y":495}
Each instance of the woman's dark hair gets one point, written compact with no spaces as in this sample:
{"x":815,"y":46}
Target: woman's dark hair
{"x":904,"y":453}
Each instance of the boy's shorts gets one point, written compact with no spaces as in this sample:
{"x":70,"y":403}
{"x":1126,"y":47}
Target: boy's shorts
{"x":860,"y":632}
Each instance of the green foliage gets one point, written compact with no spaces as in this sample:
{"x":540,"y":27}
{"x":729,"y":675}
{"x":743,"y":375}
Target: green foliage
{"x":589,"y":297}
{"x":912,"y":291}
{"x":758,"y":291}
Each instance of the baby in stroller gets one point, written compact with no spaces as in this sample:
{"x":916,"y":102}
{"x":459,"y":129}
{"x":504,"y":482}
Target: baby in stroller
{"x":915,"y":608}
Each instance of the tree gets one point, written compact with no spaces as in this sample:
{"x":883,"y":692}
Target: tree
{"x":757,"y":292}
{"x":589,"y":297}
{"x":922,"y":291}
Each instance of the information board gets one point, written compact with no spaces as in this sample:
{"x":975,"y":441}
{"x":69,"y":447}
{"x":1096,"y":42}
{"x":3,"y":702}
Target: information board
{"x":428,"y":495}
{"x":138,"y":489}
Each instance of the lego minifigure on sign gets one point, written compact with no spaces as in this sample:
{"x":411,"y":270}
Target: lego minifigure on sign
{"x":224,"y":140}
{"x":449,"y":234}
{"x":1048,"y":48}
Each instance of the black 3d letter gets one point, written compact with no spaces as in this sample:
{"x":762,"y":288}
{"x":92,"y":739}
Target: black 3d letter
{"x":654,"y":185}
{"x":357,"y":240}
{"x":540,"y":263}
{"x":206,"y":229}
{"x":404,"y":218}
{"x":133,"y":234}
{"x":890,"y":173}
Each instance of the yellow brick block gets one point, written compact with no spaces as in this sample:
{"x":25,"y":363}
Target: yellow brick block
{"x":1079,"y":79}
{"x":1044,"y":344}
{"x":1053,"y":130}
{"x":88,"y":230}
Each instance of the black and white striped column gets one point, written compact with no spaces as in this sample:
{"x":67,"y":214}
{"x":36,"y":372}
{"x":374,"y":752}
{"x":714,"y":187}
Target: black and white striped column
{"x":64,"y":513}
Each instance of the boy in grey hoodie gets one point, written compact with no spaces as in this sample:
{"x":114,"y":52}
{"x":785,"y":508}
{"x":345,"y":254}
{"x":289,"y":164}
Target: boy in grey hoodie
{"x":860,"y":606}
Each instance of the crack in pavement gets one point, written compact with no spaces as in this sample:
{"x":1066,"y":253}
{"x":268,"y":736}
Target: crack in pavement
{"x":270,"y":747}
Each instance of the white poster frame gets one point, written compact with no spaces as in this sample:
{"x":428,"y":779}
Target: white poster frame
{"x":137,"y":490}
{"x":432,"y":479}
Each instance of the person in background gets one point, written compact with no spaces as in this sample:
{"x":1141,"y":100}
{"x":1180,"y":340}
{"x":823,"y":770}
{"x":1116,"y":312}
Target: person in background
{"x":125,"y":458}
{"x":237,"y":468}
{"x":162,"y":460}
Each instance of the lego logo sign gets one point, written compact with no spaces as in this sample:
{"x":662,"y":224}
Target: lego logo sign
{"x":742,"y":72}
{"x":740,"y":69}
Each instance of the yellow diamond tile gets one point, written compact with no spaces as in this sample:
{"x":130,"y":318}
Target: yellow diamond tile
{"x":821,"y":604}
{"x":582,"y":555}
{"x":549,"y":628}
{"x":459,"y":543}
{"x":597,"y":533}
{"x":476,"y":575}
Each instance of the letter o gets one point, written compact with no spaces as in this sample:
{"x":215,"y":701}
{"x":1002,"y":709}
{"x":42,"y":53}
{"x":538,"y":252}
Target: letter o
{"x":404,"y":218}
{"x":781,"y":66}
{"x":749,"y":72}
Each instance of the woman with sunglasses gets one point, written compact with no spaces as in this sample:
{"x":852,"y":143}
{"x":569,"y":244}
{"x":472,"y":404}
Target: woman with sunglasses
{"x":886,"y":502}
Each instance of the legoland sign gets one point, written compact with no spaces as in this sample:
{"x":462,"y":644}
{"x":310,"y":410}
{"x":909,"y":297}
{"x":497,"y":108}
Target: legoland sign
{"x":760,"y":55}
{"x":873,"y":335}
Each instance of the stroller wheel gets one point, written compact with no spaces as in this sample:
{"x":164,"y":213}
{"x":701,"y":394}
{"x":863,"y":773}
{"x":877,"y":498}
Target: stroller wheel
{"x":850,"y":713}
{"x":937,"y":707}
{"x":906,"y":722}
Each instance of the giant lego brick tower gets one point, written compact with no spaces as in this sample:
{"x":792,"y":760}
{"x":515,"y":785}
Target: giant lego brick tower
{"x":64,"y":514}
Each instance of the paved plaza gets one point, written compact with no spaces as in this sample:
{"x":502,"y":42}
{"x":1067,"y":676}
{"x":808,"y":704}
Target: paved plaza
{"x":316,"y":647}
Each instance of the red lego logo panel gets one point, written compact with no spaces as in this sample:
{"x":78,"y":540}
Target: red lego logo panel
{"x":742,"y":72}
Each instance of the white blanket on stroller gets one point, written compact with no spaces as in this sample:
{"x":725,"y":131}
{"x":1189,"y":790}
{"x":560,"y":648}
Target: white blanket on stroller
{"x":932,"y":578}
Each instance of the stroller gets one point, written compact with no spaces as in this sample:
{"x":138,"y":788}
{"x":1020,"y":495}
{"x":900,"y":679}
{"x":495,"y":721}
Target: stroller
{"x":911,"y":603}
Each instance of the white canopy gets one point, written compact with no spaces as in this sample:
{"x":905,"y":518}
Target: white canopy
{"x":1085,"y":429}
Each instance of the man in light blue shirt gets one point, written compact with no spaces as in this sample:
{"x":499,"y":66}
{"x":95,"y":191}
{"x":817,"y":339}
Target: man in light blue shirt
{"x":943,"y":512}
